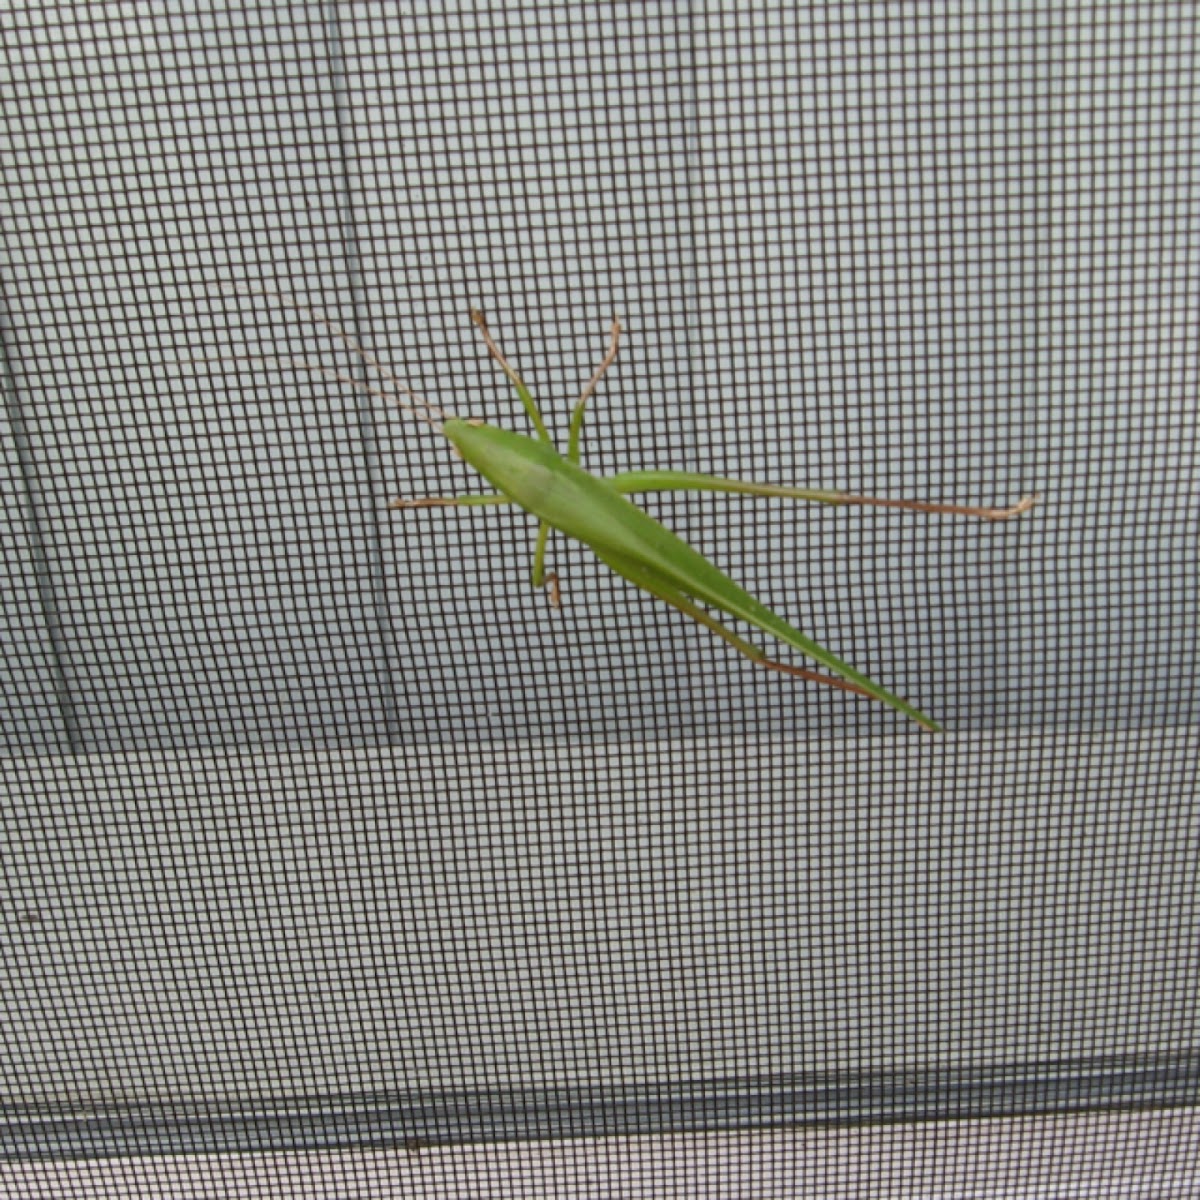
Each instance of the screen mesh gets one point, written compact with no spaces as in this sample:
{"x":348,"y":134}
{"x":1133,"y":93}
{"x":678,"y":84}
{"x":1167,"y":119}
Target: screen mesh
{"x":324,"y":829}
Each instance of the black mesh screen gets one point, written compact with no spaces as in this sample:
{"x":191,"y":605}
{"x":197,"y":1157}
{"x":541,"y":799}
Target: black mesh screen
{"x":324,"y":830}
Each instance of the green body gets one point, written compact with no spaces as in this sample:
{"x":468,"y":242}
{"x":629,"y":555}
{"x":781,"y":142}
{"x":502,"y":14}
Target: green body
{"x":553,"y":487}
{"x":532,"y":474}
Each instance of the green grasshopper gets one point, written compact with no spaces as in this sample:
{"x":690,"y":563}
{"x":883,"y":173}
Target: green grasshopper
{"x":531,"y":473}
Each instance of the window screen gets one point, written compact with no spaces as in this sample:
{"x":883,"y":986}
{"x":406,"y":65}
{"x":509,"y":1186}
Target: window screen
{"x":324,"y":829}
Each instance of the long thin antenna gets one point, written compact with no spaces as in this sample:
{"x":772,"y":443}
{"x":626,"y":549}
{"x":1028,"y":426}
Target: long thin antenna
{"x":433,"y":413}
{"x":301,"y":364}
